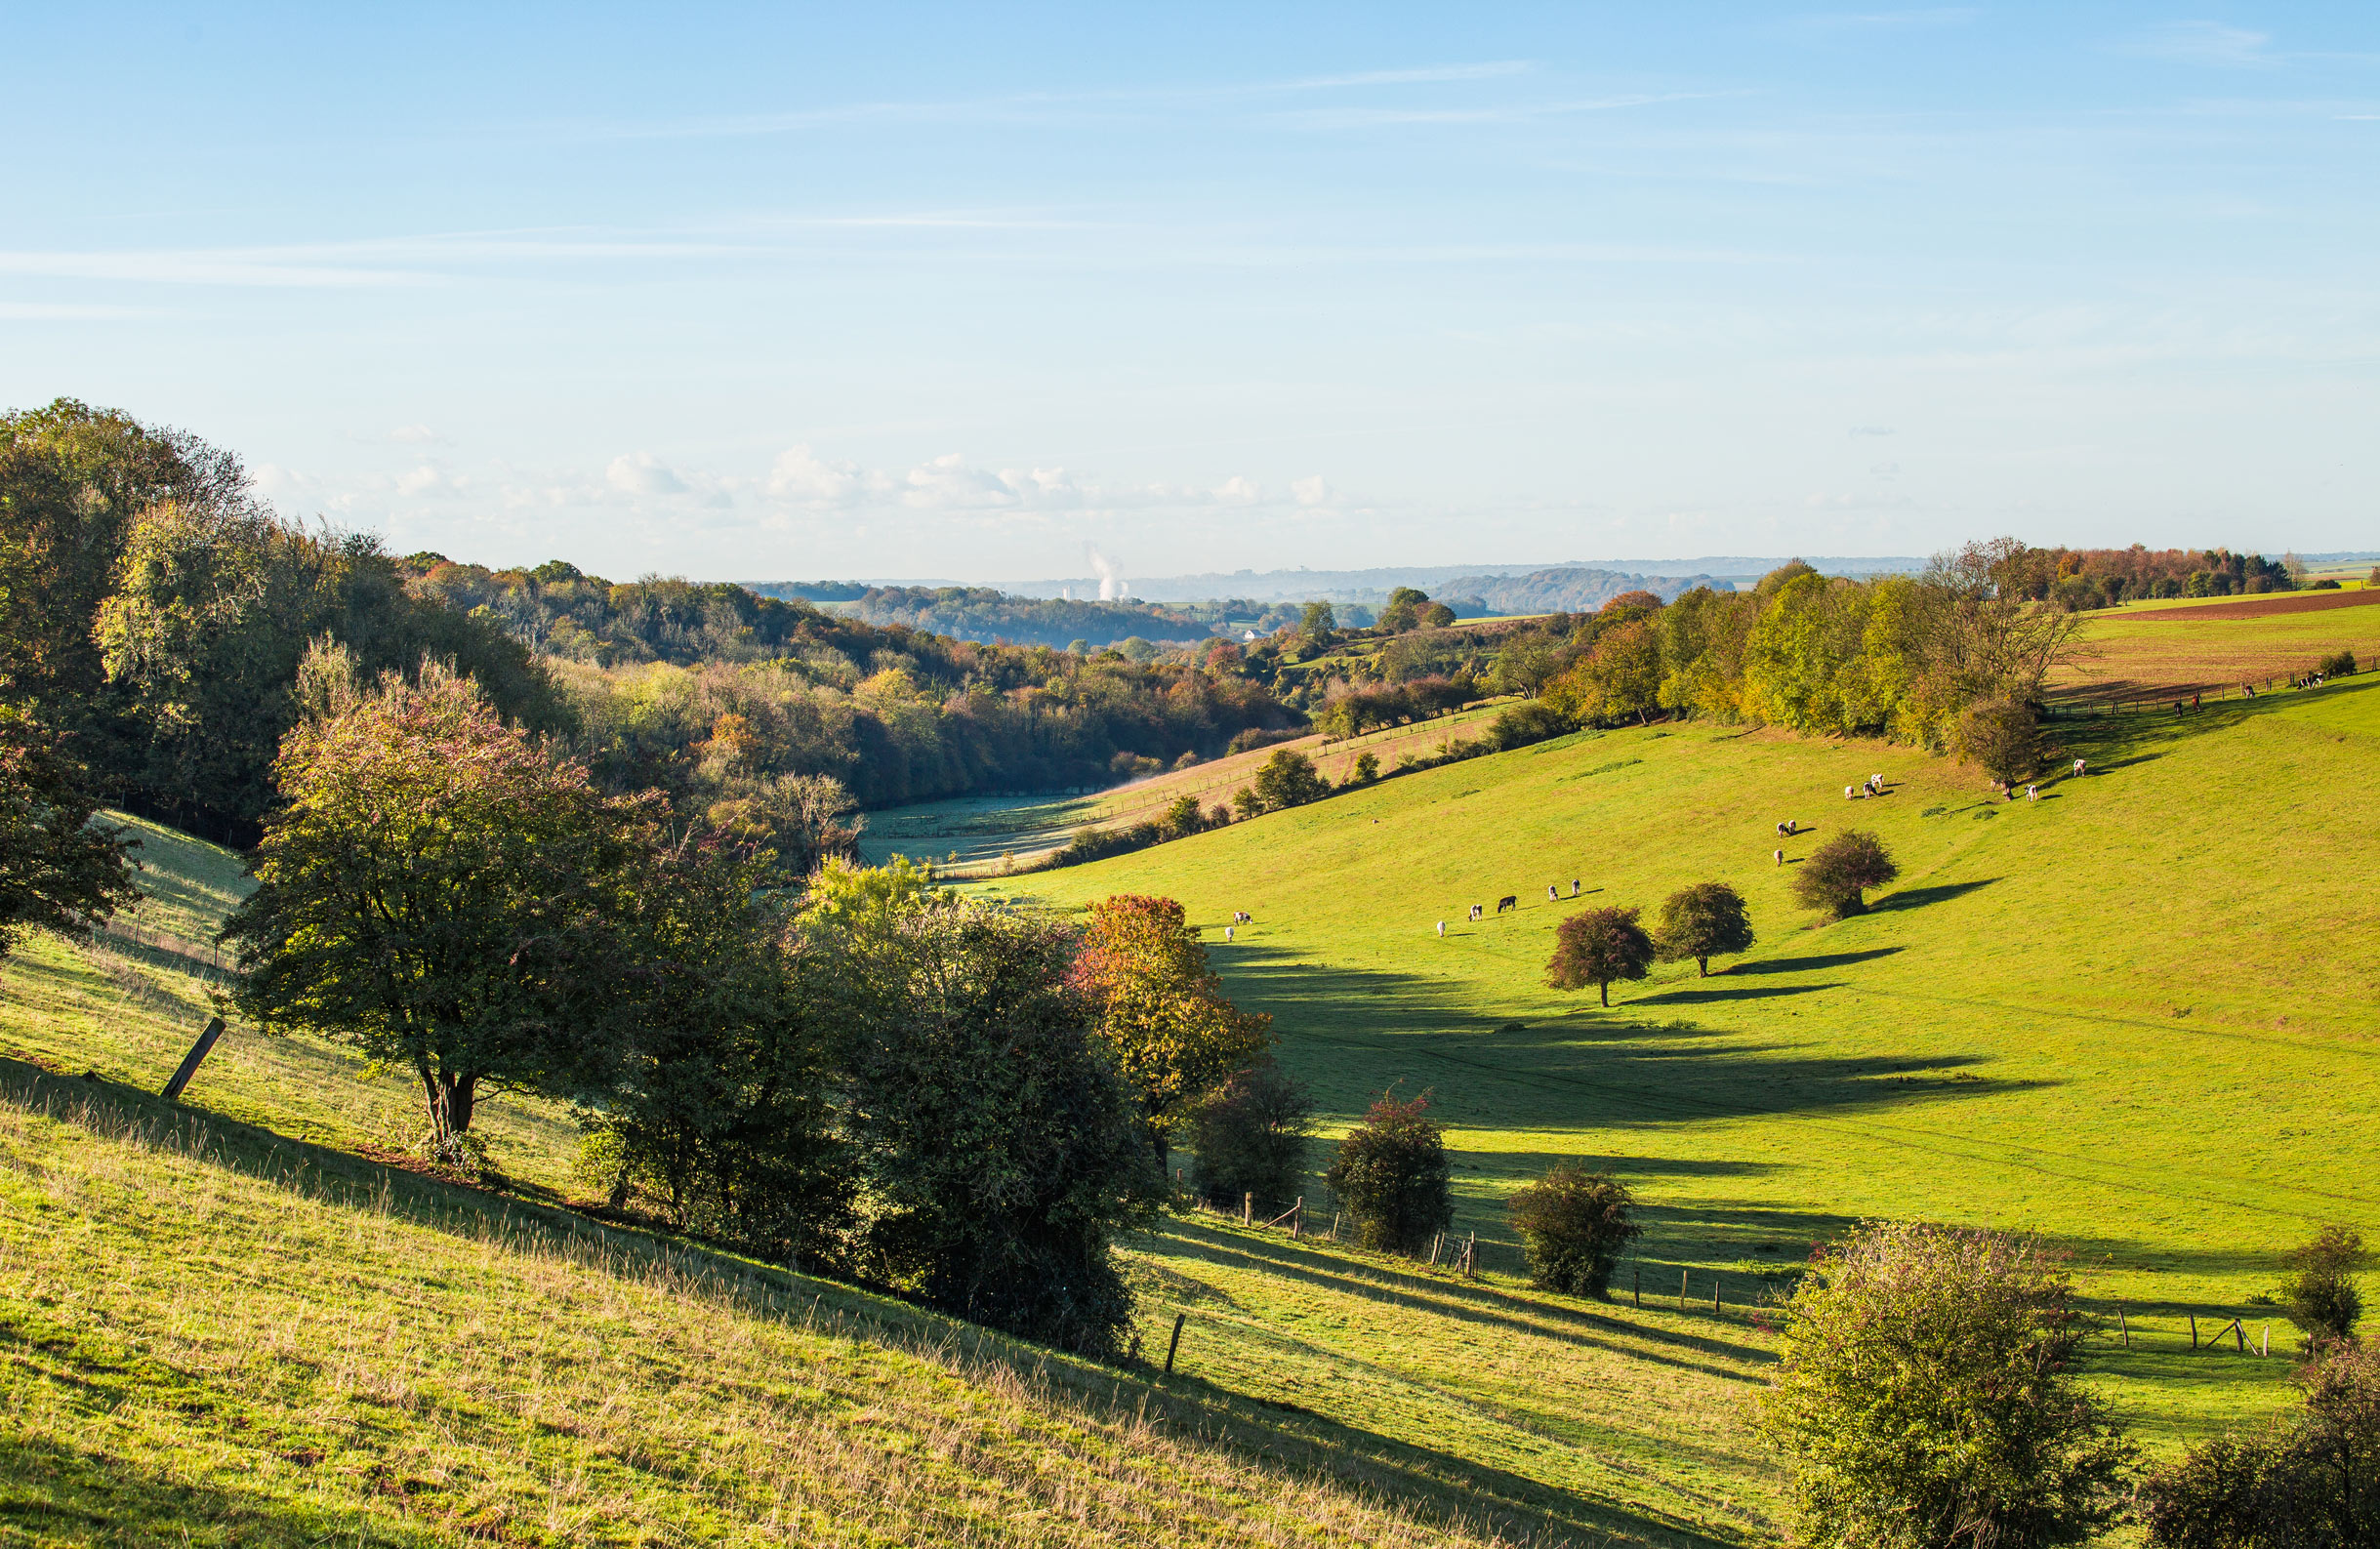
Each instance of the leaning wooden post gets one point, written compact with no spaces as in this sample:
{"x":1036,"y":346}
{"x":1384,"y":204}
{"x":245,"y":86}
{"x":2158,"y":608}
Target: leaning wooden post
{"x":2123,"y":1327}
{"x":1174,"y":1343}
{"x":2239,"y":1337}
{"x":1297,"y":1219}
{"x":2193,"y":1330}
{"x":190,"y":1061}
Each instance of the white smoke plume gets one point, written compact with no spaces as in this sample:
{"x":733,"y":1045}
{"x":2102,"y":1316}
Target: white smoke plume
{"x":1111,"y":584}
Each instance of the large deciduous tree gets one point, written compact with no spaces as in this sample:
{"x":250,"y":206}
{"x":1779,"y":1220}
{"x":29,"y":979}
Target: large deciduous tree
{"x":440,"y":894}
{"x":1925,"y":1398}
{"x":1597,"y":946}
{"x":1163,"y":1017}
{"x":1701,"y":922}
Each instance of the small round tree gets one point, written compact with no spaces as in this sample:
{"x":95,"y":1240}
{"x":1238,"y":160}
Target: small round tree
{"x":1391,"y":1175}
{"x":2321,"y":1298}
{"x":1251,"y":1137}
{"x":1925,"y":1398}
{"x":1596,"y":947}
{"x":1701,"y":923}
{"x":1839,"y":871}
{"x":1574,"y":1225}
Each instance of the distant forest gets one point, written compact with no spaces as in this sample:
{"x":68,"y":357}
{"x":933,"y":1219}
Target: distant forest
{"x":985,"y":614}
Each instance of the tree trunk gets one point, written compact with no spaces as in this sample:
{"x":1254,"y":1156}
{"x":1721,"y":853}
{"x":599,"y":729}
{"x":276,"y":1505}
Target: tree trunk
{"x":1605,"y":986}
{"x":450,"y":1100}
{"x":1702,"y":967}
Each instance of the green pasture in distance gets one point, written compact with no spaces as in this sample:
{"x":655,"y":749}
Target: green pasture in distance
{"x":2137,"y":1015}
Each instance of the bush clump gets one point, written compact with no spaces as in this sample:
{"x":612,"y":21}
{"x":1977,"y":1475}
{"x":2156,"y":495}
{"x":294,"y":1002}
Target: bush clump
{"x":2321,"y":1298}
{"x":1390,"y":1173}
{"x":2311,"y":1480}
{"x":1925,"y":1398}
{"x":1251,"y":1138}
{"x":1838,"y":873}
{"x":2342,"y":665}
{"x":1574,"y":1225}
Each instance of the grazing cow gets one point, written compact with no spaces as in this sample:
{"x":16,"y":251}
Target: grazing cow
{"x":1780,"y":854}
{"x":1573,"y":888}
{"x":2078,"y":768}
{"x":1227,"y":930}
{"x":1442,"y":930}
{"x":1476,"y":909}
{"x":2032,"y":793}
{"x":1241,"y":917}
{"x":1847,"y":796}
{"x":1508,"y":901}
{"x":1553,"y":893}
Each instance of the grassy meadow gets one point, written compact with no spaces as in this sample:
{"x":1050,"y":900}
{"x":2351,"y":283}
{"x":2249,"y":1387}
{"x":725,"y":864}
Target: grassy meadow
{"x":2214,"y":644}
{"x":241,"y":1320}
{"x":2137,"y":1015}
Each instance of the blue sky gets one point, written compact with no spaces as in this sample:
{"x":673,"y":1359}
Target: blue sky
{"x":797,"y":292}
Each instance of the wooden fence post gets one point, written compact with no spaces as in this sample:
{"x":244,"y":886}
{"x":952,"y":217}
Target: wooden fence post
{"x":2194,"y":1330}
{"x":1682,"y":1276}
{"x":2264,"y":1346}
{"x":1714,"y":1296}
{"x":1298,"y":1222}
{"x":1174,"y":1343}
{"x":2123,"y":1327}
{"x":1247,"y":1208}
{"x":1640,"y":1284}
{"x":190,"y":1061}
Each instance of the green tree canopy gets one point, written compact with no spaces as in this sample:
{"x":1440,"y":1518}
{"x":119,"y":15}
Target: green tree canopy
{"x":1288,"y":779}
{"x":1001,"y":1153}
{"x":440,"y":894}
{"x":1162,"y":1015}
{"x":1701,"y":922}
{"x":1926,"y":1398}
{"x":59,"y":872}
{"x":1391,"y":1174}
{"x":1574,"y":1225}
{"x":1839,"y":871}
{"x":1597,"y":946}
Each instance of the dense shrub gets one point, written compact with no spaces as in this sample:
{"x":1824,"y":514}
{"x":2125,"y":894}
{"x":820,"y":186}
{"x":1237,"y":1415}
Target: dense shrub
{"x":1098,"y":843}
{"x":2309,"y":1483}
{"x":2002,"y":737}
{"x":1365,"y":769}
{"x":1251,"y":1138}
{"x":1701,"y":923}
{"x":1925,"y":1398}
{"x":1523,"y":725}
{"x":2339,"y":665}
{"x":1390,"y":1173}
{"x":1574,"y":1225}
{"x":1597,"y":946}
{"x":1001,"y":1153}
{"x":1838,"y":873}
{"x":1287,"y":780}
{"x":2321,"y":1297}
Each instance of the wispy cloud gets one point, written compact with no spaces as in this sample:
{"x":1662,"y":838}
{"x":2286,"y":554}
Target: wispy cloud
{"x":1486,"y":113}
{"x":2206,"y":43}
{"x":70,"y":312}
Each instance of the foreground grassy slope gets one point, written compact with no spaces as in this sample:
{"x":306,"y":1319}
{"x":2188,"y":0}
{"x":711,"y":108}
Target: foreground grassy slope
{"x":227,"y":1324}
{"x":2138,"y":1014}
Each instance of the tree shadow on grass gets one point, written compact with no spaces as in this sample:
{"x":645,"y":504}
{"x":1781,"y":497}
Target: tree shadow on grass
{"x":1747,"y":993}
{"x":1815,"y":962}
{"x":1920,"y":897}
{"x":1436,"y":1487}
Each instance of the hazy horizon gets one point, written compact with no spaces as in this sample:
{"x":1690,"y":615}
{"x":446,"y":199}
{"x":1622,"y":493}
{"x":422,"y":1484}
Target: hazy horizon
{"x":753,"y":292}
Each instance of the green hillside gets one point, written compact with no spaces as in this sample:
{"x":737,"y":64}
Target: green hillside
{"x":243,"y":1320}
{"x":2137,"y":1015}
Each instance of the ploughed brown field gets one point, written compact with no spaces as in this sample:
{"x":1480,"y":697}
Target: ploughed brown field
{"x":2261,"y":607}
